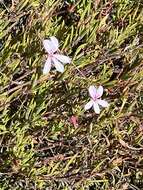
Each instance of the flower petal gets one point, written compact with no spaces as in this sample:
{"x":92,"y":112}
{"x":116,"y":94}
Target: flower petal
{"x":48,"y":46}
{"x":47,"y":66}
{"x":99,"y":91}
{"x":59,"y":66}
{"x":96,"y":107}
{"x":62,"y":58}
{"x":88,"y":105}
{"x":51,"y":45}
{"x":55,"y":43}
{"x":92,"y":91}
{"x":103,"y":103}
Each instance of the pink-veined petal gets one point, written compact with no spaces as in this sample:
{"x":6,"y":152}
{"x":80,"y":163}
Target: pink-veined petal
{"x":55,"y":43}
{"x":88,"y":105}
{"x":99,"y":91}
{"x":92,"y":91}
{"x":51,"y":45}
{"x":62,"y":58}
{"x":59,"y":66}
{"x":103,"y":103}
{"x":96,"y":107}
{"x":47,"y":66}
{"x":48,"y":46}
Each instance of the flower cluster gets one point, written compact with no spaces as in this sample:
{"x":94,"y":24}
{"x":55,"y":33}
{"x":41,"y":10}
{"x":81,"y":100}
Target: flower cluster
{"x":54,"y":59}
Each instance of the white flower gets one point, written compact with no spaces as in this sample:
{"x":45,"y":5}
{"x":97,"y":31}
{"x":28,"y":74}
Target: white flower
{"x":54,"y":59}
{"x":96,"y":99}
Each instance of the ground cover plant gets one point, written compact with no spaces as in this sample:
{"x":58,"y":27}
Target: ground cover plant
{"x":48,"y":140}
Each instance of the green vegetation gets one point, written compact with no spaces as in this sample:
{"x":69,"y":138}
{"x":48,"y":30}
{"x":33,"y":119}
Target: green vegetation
{"x":40,"y":147}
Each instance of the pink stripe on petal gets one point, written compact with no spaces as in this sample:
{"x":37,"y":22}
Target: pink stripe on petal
{"x":99,"y":91}
{"x":92,"y":91}
{"x":48,"y":46}
{"x":47,"y":66}
{"x":55,"y":43}
{"x":103,"y":103}
{"x":88,"y":105}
